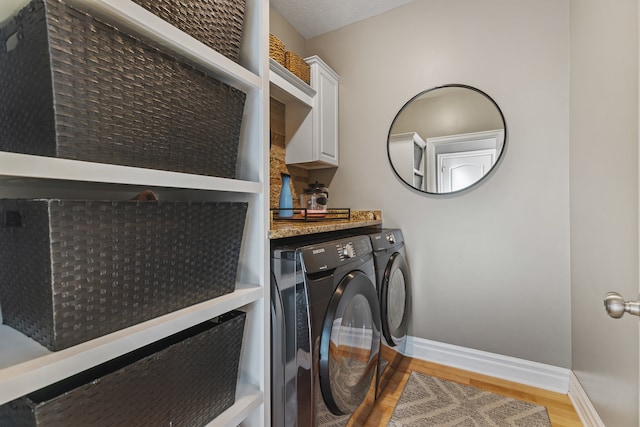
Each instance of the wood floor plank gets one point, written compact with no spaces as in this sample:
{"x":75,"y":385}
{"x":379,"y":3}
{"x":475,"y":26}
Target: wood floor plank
{"x":559,"y":407}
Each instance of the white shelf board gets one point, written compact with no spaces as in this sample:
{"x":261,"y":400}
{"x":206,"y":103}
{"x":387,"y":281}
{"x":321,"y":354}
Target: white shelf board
{"x":138,"y":21}
{"x":249,"y":397}
{"x":15,"y":165}
{"x":287,"y":88}
{"x":40,"y":367}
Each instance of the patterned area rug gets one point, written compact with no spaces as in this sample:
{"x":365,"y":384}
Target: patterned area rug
{"x":429,"y":401}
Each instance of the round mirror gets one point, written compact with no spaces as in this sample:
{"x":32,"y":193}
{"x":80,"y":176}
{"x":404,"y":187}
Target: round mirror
{"x":446,"y":139}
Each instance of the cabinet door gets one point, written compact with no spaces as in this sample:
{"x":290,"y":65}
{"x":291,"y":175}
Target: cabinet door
{"x":312,"y":136}
{"x":325,"y":124}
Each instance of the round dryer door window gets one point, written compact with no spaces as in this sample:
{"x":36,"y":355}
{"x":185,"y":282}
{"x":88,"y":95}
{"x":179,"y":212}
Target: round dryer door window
{"x":395,"y":297}
{"x":349,"y":344}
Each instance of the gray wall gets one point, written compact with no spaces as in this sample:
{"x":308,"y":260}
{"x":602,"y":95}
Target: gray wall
{"x":8,"y":8}
{"x":490,"y":266}
{"x":604,"y":202}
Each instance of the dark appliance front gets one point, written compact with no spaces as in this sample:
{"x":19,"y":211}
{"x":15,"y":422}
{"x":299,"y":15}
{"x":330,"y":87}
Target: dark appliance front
{"x":394,"y":292}
{"x":333,"y":331}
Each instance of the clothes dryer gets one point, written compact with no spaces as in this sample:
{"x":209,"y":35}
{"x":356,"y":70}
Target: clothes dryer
{"x":394,"y":292}
{"x":326,"y":332}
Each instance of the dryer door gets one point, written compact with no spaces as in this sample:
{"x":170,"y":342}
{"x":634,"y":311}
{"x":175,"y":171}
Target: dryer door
{"x":349,"y":344}
{"x":395,"y":300}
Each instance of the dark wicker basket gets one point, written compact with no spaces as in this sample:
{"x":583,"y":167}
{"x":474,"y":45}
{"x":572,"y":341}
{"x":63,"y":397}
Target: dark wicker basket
{"x":74,"y":270}
{"x":76,"y":88}
{"x":216,"y":23}
{"x":185,"y":380}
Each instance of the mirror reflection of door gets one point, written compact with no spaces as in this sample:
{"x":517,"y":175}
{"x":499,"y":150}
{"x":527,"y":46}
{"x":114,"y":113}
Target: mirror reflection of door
{"x":468,"y":156}
{"x":460,"y":170}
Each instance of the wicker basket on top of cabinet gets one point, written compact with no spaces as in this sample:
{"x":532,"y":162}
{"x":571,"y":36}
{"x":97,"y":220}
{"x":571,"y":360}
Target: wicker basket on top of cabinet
{"x":276,"y":50}
{"x":298,"y":66}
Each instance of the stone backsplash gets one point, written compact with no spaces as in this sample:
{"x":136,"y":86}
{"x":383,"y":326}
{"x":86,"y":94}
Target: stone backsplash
{"x":299,"y":176}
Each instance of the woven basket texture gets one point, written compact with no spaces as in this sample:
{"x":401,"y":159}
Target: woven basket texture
{"x":76,"y":88}
{"x":184,"y":380}
{"x":297,"y":65}
{"x":75,"y":270}
{"x":216,"y":23}
{"x":276,"y":49}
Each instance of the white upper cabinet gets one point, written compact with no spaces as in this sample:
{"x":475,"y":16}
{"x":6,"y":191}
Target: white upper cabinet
{"x":312,"y":135}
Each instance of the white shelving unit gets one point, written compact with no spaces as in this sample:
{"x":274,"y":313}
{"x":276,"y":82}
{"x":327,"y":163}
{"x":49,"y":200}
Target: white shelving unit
{"x":298,"y":98}
{"x":26,"y":366}
{"x":287,"y":88}
{"x":407,"y":153}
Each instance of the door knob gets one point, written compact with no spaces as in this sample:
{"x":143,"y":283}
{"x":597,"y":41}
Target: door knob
{"x":616,"y":306}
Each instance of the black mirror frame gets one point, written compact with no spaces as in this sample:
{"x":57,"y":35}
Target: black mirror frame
{"x":485,"y":176}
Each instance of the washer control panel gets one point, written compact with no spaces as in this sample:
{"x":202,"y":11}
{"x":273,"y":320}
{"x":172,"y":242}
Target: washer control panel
{"x":332,"y":254}
{"x":346,"y":250}
{"x":386,"y":239}
{"x":352,"y":248}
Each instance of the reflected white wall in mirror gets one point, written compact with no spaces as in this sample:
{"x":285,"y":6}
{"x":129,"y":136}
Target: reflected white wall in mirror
{"x":8,"y":8}
{"x":446,"y":139}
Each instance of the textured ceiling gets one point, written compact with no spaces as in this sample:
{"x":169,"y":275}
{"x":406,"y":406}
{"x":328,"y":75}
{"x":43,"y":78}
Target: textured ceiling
{"x":312,"y":18}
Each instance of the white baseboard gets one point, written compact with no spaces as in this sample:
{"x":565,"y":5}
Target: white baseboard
{"x":521,"y":371}
{"x":585,"y":409}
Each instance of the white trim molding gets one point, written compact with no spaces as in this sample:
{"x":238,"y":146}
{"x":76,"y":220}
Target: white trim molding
{"x":583,"y":406}
{"x":521,"y":371}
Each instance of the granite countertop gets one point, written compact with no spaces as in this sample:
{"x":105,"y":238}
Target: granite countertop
{"x":358,"y":218}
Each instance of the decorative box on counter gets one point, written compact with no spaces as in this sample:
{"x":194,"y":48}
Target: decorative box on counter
{"x":76,"y":88}
{"x":186,"y":379}
{"x":216,"y":23}
{"x":74,"y":270}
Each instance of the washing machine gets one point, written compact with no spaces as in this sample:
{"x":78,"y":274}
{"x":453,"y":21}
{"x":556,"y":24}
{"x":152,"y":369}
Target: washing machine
{"x":326,"y":331}
{"x":393,"y":283}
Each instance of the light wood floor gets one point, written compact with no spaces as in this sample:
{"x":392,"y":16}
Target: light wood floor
{"x":560,"y":409}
